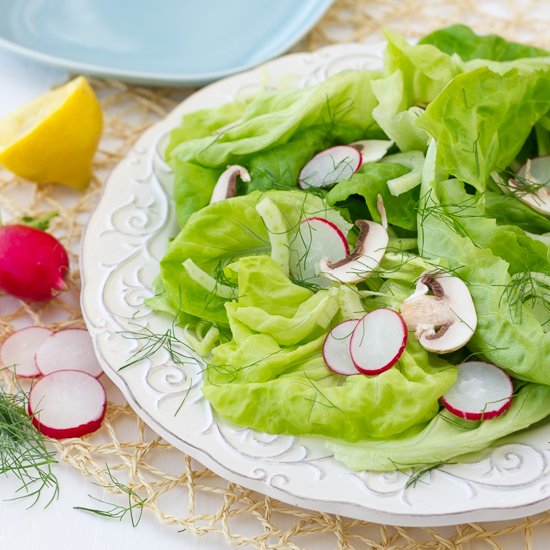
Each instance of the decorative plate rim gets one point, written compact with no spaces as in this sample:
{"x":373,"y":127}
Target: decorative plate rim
{"x":104,"y":315}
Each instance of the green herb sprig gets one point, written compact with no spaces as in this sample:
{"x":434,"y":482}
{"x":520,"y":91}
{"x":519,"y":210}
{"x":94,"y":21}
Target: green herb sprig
{"x":133,"y":508}
{"x":23,"y":450}
{"x":179,"y":351}
{"x":416,"y":472}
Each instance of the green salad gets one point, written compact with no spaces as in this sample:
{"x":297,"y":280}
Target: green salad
{"x":367,"y":260}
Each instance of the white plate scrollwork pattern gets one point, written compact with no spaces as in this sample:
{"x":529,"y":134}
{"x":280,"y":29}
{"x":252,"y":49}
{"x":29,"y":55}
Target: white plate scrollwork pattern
{"x":124,"y":240}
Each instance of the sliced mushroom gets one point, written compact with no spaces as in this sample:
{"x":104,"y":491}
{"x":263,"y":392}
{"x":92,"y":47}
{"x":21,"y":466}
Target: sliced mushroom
{"x":530,"y":184}
{"x":444,"y":320}
{"x":226,"y":186}
{"x":372,"y":150}
{"x":364,"y":258}
{"x":382,"y":211}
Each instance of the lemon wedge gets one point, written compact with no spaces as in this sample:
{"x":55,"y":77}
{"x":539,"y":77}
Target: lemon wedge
{"x":53,"y":138}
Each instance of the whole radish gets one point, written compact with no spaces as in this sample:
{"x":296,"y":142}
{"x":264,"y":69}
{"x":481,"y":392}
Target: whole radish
{"x":33,"y":263}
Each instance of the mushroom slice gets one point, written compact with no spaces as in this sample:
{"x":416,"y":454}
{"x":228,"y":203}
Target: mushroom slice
{"x":226,"y":186}
{"x":444,"y":320}
{"x":364,"y":258}
{"x":382,"y":211}
{"x":372,"y":150}
{"x":531,"y":184}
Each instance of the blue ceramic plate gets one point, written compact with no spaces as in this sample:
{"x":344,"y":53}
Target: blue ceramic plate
{"x":170,"y":42}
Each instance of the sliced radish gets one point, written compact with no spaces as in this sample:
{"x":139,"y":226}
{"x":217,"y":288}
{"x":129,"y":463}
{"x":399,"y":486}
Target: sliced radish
{"x":68,"y":349}
{"x":18,"y":349}
{"x":336,"y":349}
{"x":317,"y":238}
{"x":67,"y":403}
{"x":330,"y":166}
{"x":378,"y":341}
{"x":481,"y":391}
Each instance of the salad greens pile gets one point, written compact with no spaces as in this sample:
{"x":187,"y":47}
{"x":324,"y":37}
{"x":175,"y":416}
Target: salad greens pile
{"x":464,"y":113}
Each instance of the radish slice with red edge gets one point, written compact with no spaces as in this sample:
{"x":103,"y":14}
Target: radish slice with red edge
{"x":330,"y":166}
{"x":378,"y":341}
{"x":481,"y":391}
{"x":336,"y":349}
{"x":317,"y":238}
{"x":18,"y":349}
{"x":68,"y":349}
{"x":67,"y":403}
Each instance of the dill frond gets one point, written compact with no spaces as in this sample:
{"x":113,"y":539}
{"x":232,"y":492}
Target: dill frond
{"x":417,"y":475}
{"x":133,"y":508}
{"x":178,"y":351}
{"x":523,"y":288}
{"x":416,"y":472}
{"x":23,"y":450}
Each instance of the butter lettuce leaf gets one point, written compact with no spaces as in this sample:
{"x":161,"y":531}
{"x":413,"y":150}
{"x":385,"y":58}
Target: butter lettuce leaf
{"x":505,"y":332}
{"x":509,"y":242}
{"x":461,"y":40}
{"x":370,"y":181}
{"x":484,"y":101}
{"x":205,"y":122}
{"x":193,"y":183}
{"x":220,"y":234}
{"x":193,"y":186}
{"x":255,"y":274}
{"x":277,"y":168}
{"x":396,"y":116}
{"x":276,"y":380}
{"x":273,"y":136}
{"x":507,"y":209}
{"x":425,"y":70}
{"x":272,"y":376}
{"x":289,"y":313}
{"x":482,"y":119}
{"x":342,"y":105}
{"x":302,"y":396}
{"x":446,"y":437}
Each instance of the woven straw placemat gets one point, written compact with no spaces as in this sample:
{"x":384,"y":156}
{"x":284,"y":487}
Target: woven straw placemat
{"x":179,"y":497}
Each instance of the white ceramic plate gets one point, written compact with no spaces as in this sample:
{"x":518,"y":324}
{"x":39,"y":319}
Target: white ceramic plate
{"x":124,"y":241}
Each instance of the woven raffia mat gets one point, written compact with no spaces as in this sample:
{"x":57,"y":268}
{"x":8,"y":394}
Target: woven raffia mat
{"x":179,"y":497}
